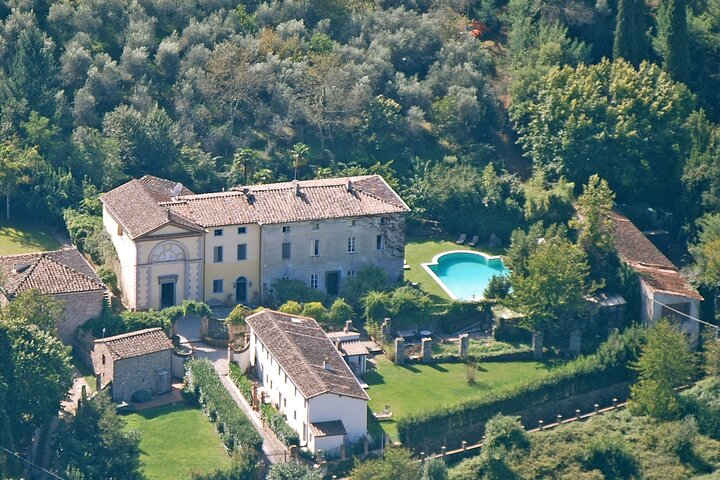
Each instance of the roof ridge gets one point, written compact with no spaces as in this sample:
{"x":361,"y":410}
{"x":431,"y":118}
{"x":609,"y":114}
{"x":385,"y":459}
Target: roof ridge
{"x":122,"y":336}
{"x":298,"y":353}
{"x":62,"y":265}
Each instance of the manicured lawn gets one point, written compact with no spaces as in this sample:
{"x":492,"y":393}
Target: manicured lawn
{"x":422,"y":250}
{"x":414,"y":388}
{"x":24,"y":238}
{"x":176,"y":441}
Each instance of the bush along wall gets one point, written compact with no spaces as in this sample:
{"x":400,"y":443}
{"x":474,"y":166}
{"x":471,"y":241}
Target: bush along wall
{"x":204,"y":385}
{"x":429,"y":431}
{"x":277,"y":423}
{"x":243,"y":383}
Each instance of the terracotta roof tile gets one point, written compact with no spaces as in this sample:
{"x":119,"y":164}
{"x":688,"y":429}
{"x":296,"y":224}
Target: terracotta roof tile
{"x":59,"y":271}
{"x":134,"y":344}
{"x":637,"y":251}
{"x":667,"y":280}
{"x":301,"y":346}
{"x":353,"y":348}
{"x":280,"y":203}
{"x":633,"y":246}
{"x":332,"y":428}
{"x":135,"y":205}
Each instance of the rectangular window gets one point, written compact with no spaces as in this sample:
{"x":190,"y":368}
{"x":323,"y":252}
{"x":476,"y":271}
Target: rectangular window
{"x":242,"y":230}
{"x":103,"y":359}
{"x":286,"y":229}
{"x":316,"y":226}
{"x":314,"y":280}
{"x":352,"y":223}
{"x":351,"y":273}
{"x":218,"y":232}
{"x":217,"y":286}
{"x":316,"y":248}
{"x":351,"y":244}
{"x":218,"y":254}
{"x":242,"y":251}
{"x":294,"y":414}
{"x":380,"y":242}
{"x":286,"y":250}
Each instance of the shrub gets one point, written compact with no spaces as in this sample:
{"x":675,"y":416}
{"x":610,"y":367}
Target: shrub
{"x":277,"y":423}
{"x":459,"y":315}
{"x":506,"y":432}
{"x":236,"y":430}
{"x":367,"y":279}
{"x":340,"y":312}
{"x":315,"y":310}
{"x":703,"y":402}
{"x":108,"y":277}
{"x":297,"y":290}
{"x":611,"y":455}
{"x":243,"y":467}
{"x":291,"y":307}
{"x":292,"y":471}
{"x":243,"y":383}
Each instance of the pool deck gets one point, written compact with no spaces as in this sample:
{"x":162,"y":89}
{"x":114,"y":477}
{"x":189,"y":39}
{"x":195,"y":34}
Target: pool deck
{"x":442,"y":284}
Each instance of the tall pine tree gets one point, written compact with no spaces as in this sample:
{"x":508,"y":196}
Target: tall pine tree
{"x":673,"y":38}
{"x":631,"y":40}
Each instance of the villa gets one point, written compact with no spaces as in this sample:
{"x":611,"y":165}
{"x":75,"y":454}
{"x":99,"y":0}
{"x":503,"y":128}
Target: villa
{"x":304,"y":375}
{"x":229,"y":247}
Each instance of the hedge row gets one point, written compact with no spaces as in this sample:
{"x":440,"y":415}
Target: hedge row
{"x":243,"y":383}
{"x":609,"y":365}
{"x":234,"y":427}
{"x":277,"y":423}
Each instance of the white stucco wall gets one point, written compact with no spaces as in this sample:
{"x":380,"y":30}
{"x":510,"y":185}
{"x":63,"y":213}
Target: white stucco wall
{"x":652,"y":311}
{"x":352,"y":412}
{"x":127,"y":257}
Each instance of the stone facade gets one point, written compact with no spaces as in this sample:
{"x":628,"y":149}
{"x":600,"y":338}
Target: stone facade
{"x":149,"y":372}
{"x":79,"y":308}
{"x":324,"y":254}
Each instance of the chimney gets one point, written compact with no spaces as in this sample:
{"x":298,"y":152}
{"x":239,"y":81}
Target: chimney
{"x":297,"y":187}
{"x":246,"y":190}
{"x":348,"y":326}
{"x":349,"y":185}
{"x":326,"y":364}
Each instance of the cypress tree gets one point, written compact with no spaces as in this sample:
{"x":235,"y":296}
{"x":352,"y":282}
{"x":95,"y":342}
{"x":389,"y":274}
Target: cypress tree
{"x":673,"y":37}
{"x":631,"y":41}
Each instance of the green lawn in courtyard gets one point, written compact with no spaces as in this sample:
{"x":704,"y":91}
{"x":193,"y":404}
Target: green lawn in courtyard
{"x":414,"y":388}
{"x":176,"y":441}
{"x":18,"y":237}
{"x":422,"y":250}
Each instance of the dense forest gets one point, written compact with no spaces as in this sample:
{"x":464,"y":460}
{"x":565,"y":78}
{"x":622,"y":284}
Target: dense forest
{"x":486,"y":116}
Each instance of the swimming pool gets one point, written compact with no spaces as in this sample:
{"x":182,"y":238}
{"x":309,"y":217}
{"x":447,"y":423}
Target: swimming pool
{"x":463,"y":274}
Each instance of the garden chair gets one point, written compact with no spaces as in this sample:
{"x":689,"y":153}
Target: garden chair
{"x":461,"y":240}
{"x":474,"y":241}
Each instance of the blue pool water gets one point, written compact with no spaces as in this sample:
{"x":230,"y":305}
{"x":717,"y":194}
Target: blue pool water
{"x":464,"y":275}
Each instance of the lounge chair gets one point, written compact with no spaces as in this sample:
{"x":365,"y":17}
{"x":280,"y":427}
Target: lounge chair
{"x":461,"y":240}
{"x":474,"y":241}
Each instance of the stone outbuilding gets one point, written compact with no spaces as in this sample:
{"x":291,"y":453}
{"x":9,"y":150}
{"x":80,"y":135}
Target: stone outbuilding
{"x":62,"y":274}
{"x":134,"y":361}
{"x":664,"y":292}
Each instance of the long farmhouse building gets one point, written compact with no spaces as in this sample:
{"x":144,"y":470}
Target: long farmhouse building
{"x":229,"y":247}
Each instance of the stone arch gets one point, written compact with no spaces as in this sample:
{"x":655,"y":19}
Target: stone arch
{"x":168,"y":251}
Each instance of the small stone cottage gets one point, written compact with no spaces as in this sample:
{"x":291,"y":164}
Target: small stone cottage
{"x":134,"y":361}
{"x":62,"y":274}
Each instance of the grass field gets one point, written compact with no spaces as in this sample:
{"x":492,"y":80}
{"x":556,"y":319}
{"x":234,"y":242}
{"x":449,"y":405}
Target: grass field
{"x":414,"y":388}
{"x":176,"y":441}
{"x":25,"y":238}
{"x":422,"y":250}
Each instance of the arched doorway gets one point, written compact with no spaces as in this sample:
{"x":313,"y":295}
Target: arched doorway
{"x":241,"y":290}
